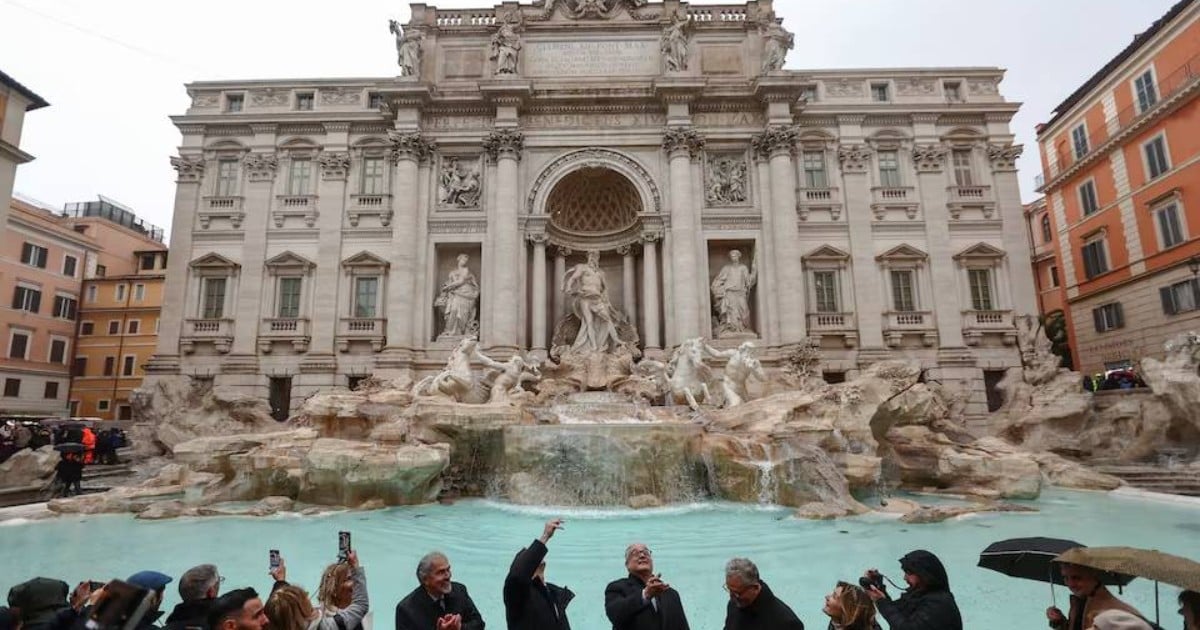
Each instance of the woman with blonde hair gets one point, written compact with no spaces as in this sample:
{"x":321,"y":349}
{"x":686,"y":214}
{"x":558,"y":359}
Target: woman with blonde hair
{"x":336,"y":593}
{"x":849,"y":608}
{"x":289,"y":607}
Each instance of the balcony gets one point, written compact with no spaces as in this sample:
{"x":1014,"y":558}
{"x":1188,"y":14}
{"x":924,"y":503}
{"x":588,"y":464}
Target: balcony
{"x":372,"y":330}
{"x":284,"y":329}
{"x":370,"y":205}
{"x":302,"y":207}
{"x":224,"y":207}
{"x":886,"y":198}
{"x":897,"y":324}
{"x":976,"y":324}
{"x":959,"y":198}
{"x":828,"y":200}
{"x":218,"y":332}
{"x":842,"y":325}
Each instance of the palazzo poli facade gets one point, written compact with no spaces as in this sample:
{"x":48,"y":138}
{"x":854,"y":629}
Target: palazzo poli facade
{"x":330,"y":229}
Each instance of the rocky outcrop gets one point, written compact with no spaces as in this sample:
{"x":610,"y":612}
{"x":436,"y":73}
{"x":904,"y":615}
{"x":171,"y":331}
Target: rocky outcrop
{"x":174,"y":410}
{"x":27,"y":467}
{"x":342,"y":472}
{"x":988,"y":467}
{"x":939,"y":513}
{"x":1064,"y":473}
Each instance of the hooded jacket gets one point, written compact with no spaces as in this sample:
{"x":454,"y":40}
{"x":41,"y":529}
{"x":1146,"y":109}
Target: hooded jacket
{"x":43,"y":603}
{"x":931,"y":607}
{"x":767,"y":612}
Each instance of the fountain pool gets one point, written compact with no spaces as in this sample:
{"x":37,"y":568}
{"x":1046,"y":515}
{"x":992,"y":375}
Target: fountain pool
{"x":800,"y":559}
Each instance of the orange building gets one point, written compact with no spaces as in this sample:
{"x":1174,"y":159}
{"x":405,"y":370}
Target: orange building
{"x":1122,"y":192}
{"x":118,"y":316}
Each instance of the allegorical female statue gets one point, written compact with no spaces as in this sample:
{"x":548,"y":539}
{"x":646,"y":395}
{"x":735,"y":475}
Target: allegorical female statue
{"x":777,"y":42}
{"x":458,"y":299}
{"x":731,"y":295}
{"x":506,"y":47}
{"x":408,"y":49}
{"x":674,"y":43}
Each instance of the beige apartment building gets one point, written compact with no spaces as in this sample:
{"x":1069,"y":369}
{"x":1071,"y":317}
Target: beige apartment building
{"x":15,"y":100}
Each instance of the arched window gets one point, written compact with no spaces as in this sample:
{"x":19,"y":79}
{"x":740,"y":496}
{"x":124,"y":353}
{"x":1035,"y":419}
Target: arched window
{"x":1046,"y":235}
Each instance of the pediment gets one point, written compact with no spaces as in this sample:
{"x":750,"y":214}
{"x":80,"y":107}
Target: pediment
{"x":213,"y":261}
{"x":904,"y":252}
{"x":980,"y":251}
{"x":365,"y":259}
{"x":826,"y":253}
{"x":289,"y":259}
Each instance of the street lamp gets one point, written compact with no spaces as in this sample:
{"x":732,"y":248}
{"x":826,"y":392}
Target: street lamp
{"x":1194,"y":264}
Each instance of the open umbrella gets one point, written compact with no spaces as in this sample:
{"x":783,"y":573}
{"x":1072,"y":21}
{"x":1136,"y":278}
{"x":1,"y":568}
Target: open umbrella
{"x":70,"y":447}
{"x":1033,"y":559}
{"x":1147,"y":563}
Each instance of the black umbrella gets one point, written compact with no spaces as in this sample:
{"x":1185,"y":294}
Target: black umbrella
{"x":1033,"y":559}
{"x":70,"y":447}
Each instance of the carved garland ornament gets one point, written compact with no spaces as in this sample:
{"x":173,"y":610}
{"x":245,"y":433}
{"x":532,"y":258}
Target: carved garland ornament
{"x":773,"y":140}
{"x":683,"y":139}
{"x":504,"y":143}
{"x":592,"y":9}
{"x":334,"y":165}
{"x":854,"y":158}
{"x":1004,"y":156}
{"x":595,"y":157}
{"x":190,"y":168}
{"x":409,"y":145}
{"x":929,"y":158}
{"x":260,"y":167}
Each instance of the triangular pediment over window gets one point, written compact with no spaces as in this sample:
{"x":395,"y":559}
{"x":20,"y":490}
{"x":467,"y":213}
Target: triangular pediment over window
{"x":214,"y":261}
{"x":826,"y":253}
{"x":980,"y":251}
{"x":289,"y":259}
{"x":902,"y":253}
{"x":365,"y":260}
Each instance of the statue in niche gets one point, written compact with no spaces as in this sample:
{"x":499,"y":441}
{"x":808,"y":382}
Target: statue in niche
{"x":586,"y":285}
{"x":731,"y":295}
{"x":457,"y":299}
{"x":740,"y":367}
{"x":408,"y":49}
{"x":674,"y":43}
{"x":777,"y":41}
{"x":508,"y":377}
{"x":506,"y":45}
{"x":459,"y":184}
{"x":456,"y":380}
{"x":726,"y":177}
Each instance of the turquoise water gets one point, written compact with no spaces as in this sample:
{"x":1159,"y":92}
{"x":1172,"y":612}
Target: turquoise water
{"x":800,"y":559}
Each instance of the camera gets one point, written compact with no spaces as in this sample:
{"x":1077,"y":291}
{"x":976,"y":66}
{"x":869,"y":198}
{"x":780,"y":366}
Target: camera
{"x":873,"y":580}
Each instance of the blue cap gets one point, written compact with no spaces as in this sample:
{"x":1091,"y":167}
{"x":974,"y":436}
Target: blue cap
{"x":152,"y":580}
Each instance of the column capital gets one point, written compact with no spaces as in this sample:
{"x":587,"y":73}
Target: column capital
{"x":189,"y":167}
{"x":335,"y":165}
{"x":625,"y":250}
{"x":652,"y":237}
{"x":563,"y":252}
{"x":504,"y":143}
{"x":260,"y":167}
{"x":774,"y":141}
{"x":410,"y":145}
{"x":1004,"y":156}
{"x":929,"y":158}
{"x":683,"y":139}
{"x":537,"y":238}
{"x":854,"y":158}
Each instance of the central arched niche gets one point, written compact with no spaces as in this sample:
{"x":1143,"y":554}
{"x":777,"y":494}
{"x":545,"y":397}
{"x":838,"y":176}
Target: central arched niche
{"x":594,"y":205}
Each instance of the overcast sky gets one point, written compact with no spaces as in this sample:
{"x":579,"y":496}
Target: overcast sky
{"x":114,"y":70}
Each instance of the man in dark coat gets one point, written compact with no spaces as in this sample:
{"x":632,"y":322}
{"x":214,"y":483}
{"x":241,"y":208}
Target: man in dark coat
{"x":437,"y":603}
{"x":643,"y":601}
{"x":530,"y":602}
{"x":928,"y":603}
{"x":752,"y":605}
{"x":198,"y":587}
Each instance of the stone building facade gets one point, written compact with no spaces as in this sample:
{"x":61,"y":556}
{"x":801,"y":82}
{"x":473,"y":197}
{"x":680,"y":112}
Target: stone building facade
{"x":330,"y":229}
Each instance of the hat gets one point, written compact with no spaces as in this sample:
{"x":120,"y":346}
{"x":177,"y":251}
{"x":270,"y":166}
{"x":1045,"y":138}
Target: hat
{"x":152,"y":580}
{"x":1119,"y":620}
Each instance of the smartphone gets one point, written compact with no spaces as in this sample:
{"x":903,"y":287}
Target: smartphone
{"x":275,"y":562}
{"x":343,"y":546}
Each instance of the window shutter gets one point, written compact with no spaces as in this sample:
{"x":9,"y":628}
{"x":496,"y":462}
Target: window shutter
{"x":26,"y":253}
{"x":1119,"y":311}
{"x":37,"y":301}
{"x":1168,"y":300}
{"x":1098,"y":320}
{"x":16,"y":303}
{"x":1196,"y":292}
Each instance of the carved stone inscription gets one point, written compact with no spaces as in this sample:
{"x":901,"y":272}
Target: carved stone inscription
{"x":595,"y":58}
{"x":588,"y":120}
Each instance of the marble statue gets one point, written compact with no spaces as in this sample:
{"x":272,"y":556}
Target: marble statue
{"x":506,"y":47}
{"x":740,"y":367}
{"x":689,"y":375}
{"x":777,"y":41}
{"x":408,"y":49}
{"x":726,"y":180}
{"x":509,"y":376}
{"x":674,"y":43}
{"x":455,"y":381}
{"x":586,"y":285}
{"x":731,"y":295}
{"x":1040,"y":363}
{"x":457,"y":299}
{"x":459,"y":185}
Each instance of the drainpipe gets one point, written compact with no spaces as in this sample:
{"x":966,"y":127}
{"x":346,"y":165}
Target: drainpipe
{"x":121,"y":349}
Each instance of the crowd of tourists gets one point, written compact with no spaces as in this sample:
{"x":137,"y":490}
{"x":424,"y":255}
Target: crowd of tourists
{"x":95,"y":446}
{"x":639,"y":601}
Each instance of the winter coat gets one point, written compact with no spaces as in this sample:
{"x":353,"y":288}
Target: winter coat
{"x":529,"y":603}
{"x":930,"y":608}
{"x":627,"y":610}
{"x":40,"y":600}
{"x":766,"y":613}
{"x":1083,"y":610}
{"x":418,"y":611}
{"x":191,"y":615}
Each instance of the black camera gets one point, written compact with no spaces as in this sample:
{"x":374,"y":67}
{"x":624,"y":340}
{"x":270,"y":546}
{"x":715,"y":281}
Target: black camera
{"x":872,"y":580}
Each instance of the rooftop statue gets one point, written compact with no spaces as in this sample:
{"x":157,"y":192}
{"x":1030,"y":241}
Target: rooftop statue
{"x":408,"y":49}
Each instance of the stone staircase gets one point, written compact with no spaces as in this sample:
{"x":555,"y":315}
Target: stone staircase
{"x":1181,"y":481}
{"x":93,"y":481}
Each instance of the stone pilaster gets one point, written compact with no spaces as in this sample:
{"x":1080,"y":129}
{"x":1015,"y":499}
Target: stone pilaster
{"x":854,"y":160}
{"x":778,"y":145}
{"x":766,"y":274}
{"x":187,"y":198}
{"x":538,"y":298}
{"x":408,"y":150}
{"x":682,"y":145}
{"x":504,"y":147}
{"x":1003,"y":159}
{"x":930,"y":162}
{"x":331,"y":195}
{"x":650,"y":324}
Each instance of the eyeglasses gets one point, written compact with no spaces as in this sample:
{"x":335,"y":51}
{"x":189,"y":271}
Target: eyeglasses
{"x":741,"y":591}
{"x":639,"y":552}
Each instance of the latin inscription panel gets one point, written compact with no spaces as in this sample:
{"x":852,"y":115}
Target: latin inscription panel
{"x":591,"y":58}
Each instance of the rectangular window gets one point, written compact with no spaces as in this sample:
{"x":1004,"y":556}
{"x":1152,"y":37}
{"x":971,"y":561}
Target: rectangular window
{"x":91,"y":293}
{"x":58,"y":351}
{"x":1108,"y":317}
{"x":366,"y":291}
{"x":12,"y":387}
{"x":825,"y":287}
{"x":1095,"y":259}
{"x":119,"y":292}
{"x":304,"y":101}
{"x":65,"y":307}
{"x":289,"y":298}
{"x":953,"y":91}
{"x":110,"y":365}
{"x":127,"y":365}
{"x":981,"y":289}
{"x":964,"y":175}
{"x":18,"y":345}
{"x":51,"y":391}
{"x":124,"y":412}
{"x":903,"y":295}
{"x":879,"y":92}
{"x":1047,"y":235}
{"x":139,"y":292}
{"x":814,"y":169}
{"x":79,"y":368}
{"x":1087,"y":197}
{"x":114,"y":327}
{"x":375,"y":100}
{"x":27,"y":299}
{"x":34,"y":255}
{"x":372,"y":176}
{"x":148,"y":262}
{"x":234,"y":102}
{"x":102,"y":405}
{"x":133,"y":326}
{"x":809,"y":93}
{"x":889,"y":169}
{"x":1156,"y":157}
{"x":299,"y":175}
{"x":1079,"y":140}
{"x":101,"y":271}
{"x":69,"y":265}
{"x":1053,"y":275}
{"x":227,"y":176}
{"x":1180,"y":297}
{"x":1170,"y":230}
{"x":87,"y":328}
{"x":1147,"y":93}
{"x":213,"y":304}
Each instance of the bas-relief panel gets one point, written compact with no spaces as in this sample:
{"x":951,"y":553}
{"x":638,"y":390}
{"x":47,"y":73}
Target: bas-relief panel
{"x":627,"y":57}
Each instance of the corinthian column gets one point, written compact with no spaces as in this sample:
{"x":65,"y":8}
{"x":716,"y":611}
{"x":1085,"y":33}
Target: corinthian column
{"x":628,"y":283}
{"x":650,"y":290}
{"x":683,"y":144}
{"x":409,"y":149}
{"x":560,"y":272}
{"x":505,"y":146}
{"x":538,"y":300}
{"x":778,"y":144}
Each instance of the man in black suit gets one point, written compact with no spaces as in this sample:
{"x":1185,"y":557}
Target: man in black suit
{"x":643,"y":601}
{"x":437,"y":603}
{"x":752,"y":605}
{"x":530,"y":602}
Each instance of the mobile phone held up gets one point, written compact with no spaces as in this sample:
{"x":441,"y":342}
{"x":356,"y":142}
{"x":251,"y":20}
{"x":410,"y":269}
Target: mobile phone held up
{"x":343,"y":546}
{"x":275,"y":561}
